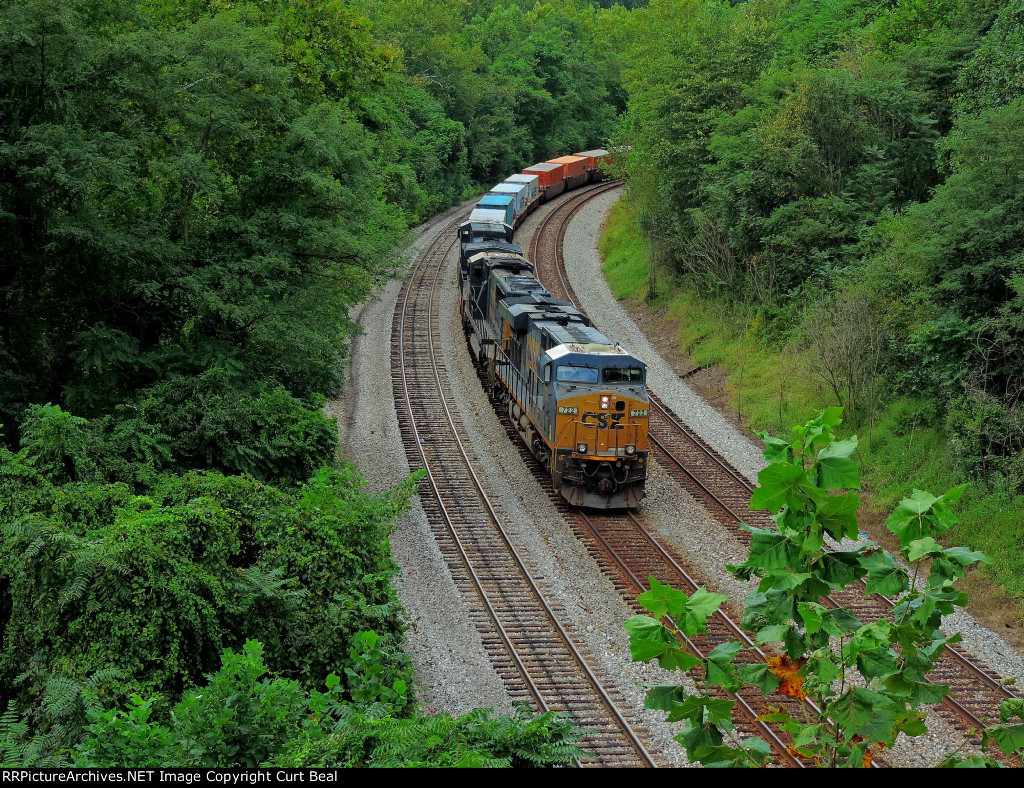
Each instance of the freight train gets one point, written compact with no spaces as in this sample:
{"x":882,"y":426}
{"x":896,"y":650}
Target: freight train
{"x":578,"y":400}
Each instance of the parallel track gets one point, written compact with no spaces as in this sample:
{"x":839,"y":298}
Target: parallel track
{"x":976,"y":690}
{"x":538,"y":660}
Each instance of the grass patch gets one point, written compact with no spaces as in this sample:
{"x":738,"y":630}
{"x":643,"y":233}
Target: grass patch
{"x":626,"y":252}
{"x":775,"y":388}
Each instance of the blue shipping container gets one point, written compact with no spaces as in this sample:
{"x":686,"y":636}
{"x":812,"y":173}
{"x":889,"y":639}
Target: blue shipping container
{"x":500,"y":202}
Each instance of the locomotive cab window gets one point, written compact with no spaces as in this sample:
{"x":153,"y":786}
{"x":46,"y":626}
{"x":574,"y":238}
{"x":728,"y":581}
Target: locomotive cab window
{"x":569,"y":373}
{"x":623,"y":375}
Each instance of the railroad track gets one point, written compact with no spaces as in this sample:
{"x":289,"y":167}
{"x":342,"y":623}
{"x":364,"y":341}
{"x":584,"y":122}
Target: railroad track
{"x":538,"y":660}
{"x":976,"y":690}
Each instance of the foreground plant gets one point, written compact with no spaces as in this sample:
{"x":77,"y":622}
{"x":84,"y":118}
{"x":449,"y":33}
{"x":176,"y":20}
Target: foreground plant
{"x":866,"y":682}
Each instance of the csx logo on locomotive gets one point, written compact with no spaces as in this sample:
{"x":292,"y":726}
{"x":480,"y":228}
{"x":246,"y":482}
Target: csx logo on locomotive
{"x":602,"y":420}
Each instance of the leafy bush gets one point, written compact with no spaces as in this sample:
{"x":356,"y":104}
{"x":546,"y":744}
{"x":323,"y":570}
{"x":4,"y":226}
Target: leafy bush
{"x":243,"y":717}
{"x":154,"y":586}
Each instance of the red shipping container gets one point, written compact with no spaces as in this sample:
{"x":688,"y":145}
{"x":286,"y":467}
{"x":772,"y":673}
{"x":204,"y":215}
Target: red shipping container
{"x":574,"y":165}
{"x":548,"y":173}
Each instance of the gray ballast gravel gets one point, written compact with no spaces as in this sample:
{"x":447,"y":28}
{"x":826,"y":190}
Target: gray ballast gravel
{"x":453,"y":672}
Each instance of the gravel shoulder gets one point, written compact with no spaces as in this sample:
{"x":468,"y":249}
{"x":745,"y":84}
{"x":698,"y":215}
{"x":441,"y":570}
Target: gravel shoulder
{"x":453,"y":671}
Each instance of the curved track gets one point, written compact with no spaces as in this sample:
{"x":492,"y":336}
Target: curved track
{"x":976,"y":690}
{"x":538,"y":660}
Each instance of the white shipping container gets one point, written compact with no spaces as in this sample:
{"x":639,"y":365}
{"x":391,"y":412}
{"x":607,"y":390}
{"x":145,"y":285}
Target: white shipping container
{"x":532,"y":183}
{"x":483,"y":215}
{"x":517,"y":190}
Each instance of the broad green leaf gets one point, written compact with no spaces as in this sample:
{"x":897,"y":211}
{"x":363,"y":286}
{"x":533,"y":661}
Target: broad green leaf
{"x":662,"y":599}
{"x":839,"y":568}
{"x":794,"y":642}
{"x":718,"y":711}
{"x":905,"y":521}
{"x":914,"y":725}
{"x":885,"y":576}
{"x":965,"y":556}
{"x":842,"y":449}
{"x":863,"y":712}
{"x":647,"y":628}
{"x":834,"y":468}
{"x":942,"y":517}
{"x":822,"y":667}
{"x":718,"y":665}
{"x":772,"y":634}
{"x":724,"y":757}
{"x":876,"y":664}
{"x":783,"y":580}
{"x":779,"y":487}
{"x":837,"y":473}
{"x":1010,"y":738}
{"x":1010,"y":708}
{"x":840,"y":621}
{"x":648,"y":638}
{"x":925,"y":610}
{"x":665,"y":697}
{"x":838,"y":515}
{"x":704,"y":602}
{"x":772,"y":550}
{"x":758,"y":675}
{"x":724,"y":653}
{"x":775,"y":449}
{"x":811,"y":613}
{"x":922,"y":548}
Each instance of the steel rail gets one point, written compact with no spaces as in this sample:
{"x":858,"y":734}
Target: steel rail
{"x":731,"y":625}
{"x":502,"y":634}
{"x":624,"y":725}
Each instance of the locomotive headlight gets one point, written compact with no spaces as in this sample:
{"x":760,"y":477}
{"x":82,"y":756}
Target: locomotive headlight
{"x":581,"y":448}
{"x":605,"y":401}
{"x":630,"y":449}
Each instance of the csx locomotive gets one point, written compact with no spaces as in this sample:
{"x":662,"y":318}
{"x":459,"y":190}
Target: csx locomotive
{"x":578,"y":400}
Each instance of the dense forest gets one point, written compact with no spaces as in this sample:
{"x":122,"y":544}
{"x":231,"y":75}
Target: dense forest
{"x":193,"y":195}
{"x":834,"y":190}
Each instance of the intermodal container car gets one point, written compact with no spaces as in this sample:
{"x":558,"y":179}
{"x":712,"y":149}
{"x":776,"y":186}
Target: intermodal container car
{"x":596,"y":161}
{"x":575,"y":170}
{"x":518,"y":191}
{"x":532,"y":183}
{"x":552,"y":178}
{"x":486,"y":215}
{"x":500,"y":202}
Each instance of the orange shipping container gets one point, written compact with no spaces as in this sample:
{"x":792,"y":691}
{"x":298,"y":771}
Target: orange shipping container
{"x":549,"y":173}
{"x":574,"y":165}
{"x":596,"y":159}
